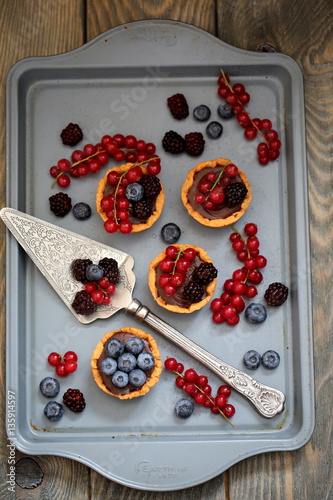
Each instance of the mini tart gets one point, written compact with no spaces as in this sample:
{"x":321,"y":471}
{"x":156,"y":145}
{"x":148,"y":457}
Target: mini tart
{"x":153,"y":377}
{"x":205,"y":220}
{"x":152,"y":282}
{"x":159,"y":202}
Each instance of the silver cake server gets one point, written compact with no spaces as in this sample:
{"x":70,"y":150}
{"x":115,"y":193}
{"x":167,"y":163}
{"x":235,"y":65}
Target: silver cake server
{"x":53,"y":250}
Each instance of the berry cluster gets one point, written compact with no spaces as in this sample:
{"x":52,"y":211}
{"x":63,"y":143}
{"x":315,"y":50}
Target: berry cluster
{"x":197,"y":387}
{"x":132,"y":192}
{"x":176,"y":264}
{"x":63,"y":363}
{"x":193,"y":143}
{"x":269,"y":360}
{"x":99,"y":281}
{"x":237,"y":97}
{"x":93,"y":157}
{"x":216,"y":188}
{"x":127,"y":363}
{"x":244,"y":280}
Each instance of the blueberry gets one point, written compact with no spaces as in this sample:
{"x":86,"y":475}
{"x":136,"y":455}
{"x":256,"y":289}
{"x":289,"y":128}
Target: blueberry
{"x":137,"y":378}
{"x":214,"y":130}
{"x":255,"y":313}
{"x":53,"y":411}
{"x":114,"y":347}
{"x":270,"y":360}
{"x":108,"y":366}
{"x":120,"y":379}
{"x":81,"y":211}
{"x":252,"y":360}
{"x":94,"y":272}
{"x":49,"y":387}
{"x":201,"y":113}
{"x":170,"y":233}
{"x":225,"y":111}
{"x":135,"y":191}
{"x":184,"y":408}
{"x":146,"y":361}
{"x":126,"y":362}
{"x":134,"y":345}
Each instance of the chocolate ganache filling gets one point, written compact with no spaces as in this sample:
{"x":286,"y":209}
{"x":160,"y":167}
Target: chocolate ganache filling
{"x":178,"y":298}
{"x":123,"y":337}
{"x":221,"y":211}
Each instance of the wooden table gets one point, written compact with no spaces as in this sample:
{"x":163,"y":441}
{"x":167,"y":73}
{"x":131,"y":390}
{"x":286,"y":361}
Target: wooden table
{"x":301,"y":29}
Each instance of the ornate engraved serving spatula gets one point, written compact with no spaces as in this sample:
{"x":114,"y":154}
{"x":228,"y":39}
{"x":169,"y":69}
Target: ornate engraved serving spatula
{"x":53,"y":249}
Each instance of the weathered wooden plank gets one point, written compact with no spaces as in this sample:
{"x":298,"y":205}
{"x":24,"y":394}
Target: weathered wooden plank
{"x":302,"y":30}
{"x":41,"y":27}
{"x":105,"y":14}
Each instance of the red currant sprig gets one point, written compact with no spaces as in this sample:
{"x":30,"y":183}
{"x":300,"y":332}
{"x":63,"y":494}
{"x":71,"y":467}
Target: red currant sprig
{"x":116,"y":205}
{"x":63,"y":363}
{"x":174,"y":266}
{"x":100,"y":291}
{"x":212,"y":185}
{"x":198,"y":388}
{"x":230,"y":304}
{"x":237,"y":97}
{"x":93,"y":157}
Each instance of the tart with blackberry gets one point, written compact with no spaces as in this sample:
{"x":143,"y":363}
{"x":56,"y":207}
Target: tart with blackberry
{"x":216,"y":193}
{"x":182,"y":278}
{"x":126,"y":363}
{"x":129,"y":198}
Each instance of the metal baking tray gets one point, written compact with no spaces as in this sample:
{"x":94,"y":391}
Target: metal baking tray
{"x":119,"y":83}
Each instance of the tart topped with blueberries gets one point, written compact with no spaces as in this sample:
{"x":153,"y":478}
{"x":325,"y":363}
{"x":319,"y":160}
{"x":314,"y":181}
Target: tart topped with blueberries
{"x":130,"y":198}
{"x":216,"y":193}
{"x":182,"y":278}
{"x":126,"y":363}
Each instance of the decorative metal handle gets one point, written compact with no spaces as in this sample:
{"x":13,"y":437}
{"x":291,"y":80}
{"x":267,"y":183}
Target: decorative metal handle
{"x":268,"y":401}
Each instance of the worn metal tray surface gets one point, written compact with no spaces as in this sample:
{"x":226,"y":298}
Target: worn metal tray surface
{"x":119,"y":83}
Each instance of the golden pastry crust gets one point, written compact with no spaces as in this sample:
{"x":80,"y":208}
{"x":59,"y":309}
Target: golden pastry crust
{"x":154,"y":377}
{"x":216,"y":222}
{"x":153,"y":288}
{"x":137,"y":228}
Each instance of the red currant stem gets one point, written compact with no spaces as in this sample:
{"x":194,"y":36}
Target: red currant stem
{"x":239,"y":102}
{"x":177,"y":259}
{"x":210,"y":399}
{"x":217,"y":181}
{"x":77,"y":163}
{"x":120,"y":179}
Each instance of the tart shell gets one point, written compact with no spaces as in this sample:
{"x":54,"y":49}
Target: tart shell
{"x":153,"y":288}
{"x":154,"y":377}
{"x":196,"y":215}
{"x":137,"y":228}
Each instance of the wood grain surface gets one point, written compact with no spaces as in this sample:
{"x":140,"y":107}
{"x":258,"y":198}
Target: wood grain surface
{"x":302,"y":29}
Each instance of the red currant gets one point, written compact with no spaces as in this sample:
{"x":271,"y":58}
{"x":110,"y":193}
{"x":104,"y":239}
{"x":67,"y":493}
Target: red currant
{"x":170,"y":364}
{"x":54,"y":358}
{"x":225,"y":390}
{"x":229,"y":410}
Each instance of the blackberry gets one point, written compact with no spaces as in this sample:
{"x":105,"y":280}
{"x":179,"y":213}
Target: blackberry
{"x":111,"y":270}
{"x":205,"y":273}
{"x":178,"y":106}
{"x":173,"y":143}
{"x":235,"y":194}
{"x":79,"y":267}
{"x":151,"y":185}
{"x":276,"y":294}
{"x":71,"y":135}
{"x":195,"y":143}
{"x":83,"y":304}
{"x":143,"y":209}
{"x":74,"y":400}
{"x":60,"y":204}
{"x":194,"y":291}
